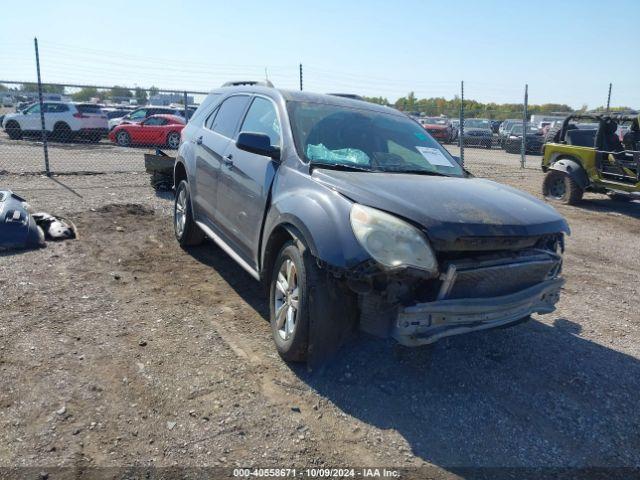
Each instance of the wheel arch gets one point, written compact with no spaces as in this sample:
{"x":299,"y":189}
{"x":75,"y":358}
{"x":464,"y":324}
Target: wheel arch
{"x":179,"y":173}
{"x":572,"y":167}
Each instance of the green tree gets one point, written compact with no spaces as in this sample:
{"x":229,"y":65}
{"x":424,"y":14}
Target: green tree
{"x":46,"y":88}
{"x":153,"y":91}
{"x":117,"y":91}
{"x":141,"y":96}
{"x":87,"y":93}
{"x":378,"y":100}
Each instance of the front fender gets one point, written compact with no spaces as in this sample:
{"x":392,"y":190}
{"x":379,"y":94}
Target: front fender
{"x":320,"y":214}
{"x":573,"y":169}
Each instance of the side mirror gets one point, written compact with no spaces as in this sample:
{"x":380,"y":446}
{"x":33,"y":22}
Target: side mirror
{"x":257,"y":143}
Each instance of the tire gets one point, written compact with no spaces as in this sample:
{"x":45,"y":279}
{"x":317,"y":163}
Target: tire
{"x":488,"y":145}
{"x":62,"y":132}
{"x":559,"y":187}
{"x":123,"y":138}
{"x":293,"y":276}
{"x":173,"y":140}
{"x":13,"y":130}
{"x":185,"y":228}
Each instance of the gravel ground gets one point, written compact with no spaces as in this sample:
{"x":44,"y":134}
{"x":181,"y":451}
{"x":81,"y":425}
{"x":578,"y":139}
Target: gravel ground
{"x":121,"y":349}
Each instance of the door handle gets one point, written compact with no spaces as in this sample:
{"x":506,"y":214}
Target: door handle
{"x":199,"y":140}
{"x":228,"y":160}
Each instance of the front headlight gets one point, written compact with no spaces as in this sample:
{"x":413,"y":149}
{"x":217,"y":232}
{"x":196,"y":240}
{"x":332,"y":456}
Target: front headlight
{"x":391,"y":241}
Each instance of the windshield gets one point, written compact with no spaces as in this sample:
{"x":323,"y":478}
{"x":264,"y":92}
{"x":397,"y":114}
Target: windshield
{"x":477,"y":123}
{"x":517,"y":130}
{"x":366,"y":140}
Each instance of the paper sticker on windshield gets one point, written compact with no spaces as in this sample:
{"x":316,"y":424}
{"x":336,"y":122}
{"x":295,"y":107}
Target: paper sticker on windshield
{"x":434,"y":156}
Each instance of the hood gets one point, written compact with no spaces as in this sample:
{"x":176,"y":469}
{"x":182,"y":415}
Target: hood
{"x":478,"y":131}
{"x":435,"y":127}
{"x":449,"y":208}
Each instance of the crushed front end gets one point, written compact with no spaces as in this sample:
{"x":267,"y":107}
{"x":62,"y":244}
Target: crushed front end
{"x":482,"y":283}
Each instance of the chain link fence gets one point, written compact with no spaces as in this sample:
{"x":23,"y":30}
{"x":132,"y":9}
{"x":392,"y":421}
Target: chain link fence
{"x":99,"y":129}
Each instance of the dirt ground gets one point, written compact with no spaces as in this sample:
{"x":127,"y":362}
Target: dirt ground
{"x":121,"y":349}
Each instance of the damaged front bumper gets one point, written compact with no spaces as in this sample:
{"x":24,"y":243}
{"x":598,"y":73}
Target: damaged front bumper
{"x":425,"y":323}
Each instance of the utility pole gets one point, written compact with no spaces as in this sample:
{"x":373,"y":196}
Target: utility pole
{"x":609,"y":98}
{"x":300,"y":77}
{"x":42,"y":127}
{"x":461,"y":132}
{"x":523,"y":147}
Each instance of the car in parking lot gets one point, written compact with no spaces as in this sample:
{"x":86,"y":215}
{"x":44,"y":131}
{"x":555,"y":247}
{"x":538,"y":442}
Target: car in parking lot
{"x":156,"y":130}
{"x":64,"y":121}
{"x":351,"y":214}
{"x":533,"y":140}
{"x":139,"y":114}
{"x":477,"y":132}
{"x":505,"y":127}
{"x":439,"y":127}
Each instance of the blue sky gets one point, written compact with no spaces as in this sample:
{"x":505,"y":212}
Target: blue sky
{"x":376,"y":47}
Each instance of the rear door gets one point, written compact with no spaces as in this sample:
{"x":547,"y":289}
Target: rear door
{"x":245,"y":181}
{"x":211,"y":145}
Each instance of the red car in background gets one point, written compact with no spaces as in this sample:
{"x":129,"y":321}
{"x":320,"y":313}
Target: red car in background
{"x":439,"y":128}
{"x":157,"y":130}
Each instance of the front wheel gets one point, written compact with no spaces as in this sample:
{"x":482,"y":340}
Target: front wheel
{"x":186,"y":230}
{"x":291,"y":280}
{"x":560,"y":187}
{"x":13,"y":130}
{"x":173,"y":140}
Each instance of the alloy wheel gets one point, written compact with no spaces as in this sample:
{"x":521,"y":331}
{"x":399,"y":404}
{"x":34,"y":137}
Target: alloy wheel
{"x":286,"y":299}
{"x":180,"y":214}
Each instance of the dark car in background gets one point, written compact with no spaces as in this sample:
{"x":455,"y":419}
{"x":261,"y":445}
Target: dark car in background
{"x":477,"y":133}
{"x":505,"y":127}
{"x":533,"y":141}
{"x":141,"y":113}
{"x":352,"y":215}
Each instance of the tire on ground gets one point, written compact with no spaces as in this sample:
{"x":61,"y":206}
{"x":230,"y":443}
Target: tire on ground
{"x":13,"y":130}
{"x":191,"y":234}
{"x":571,"y":193}
{"x":326,"y":313}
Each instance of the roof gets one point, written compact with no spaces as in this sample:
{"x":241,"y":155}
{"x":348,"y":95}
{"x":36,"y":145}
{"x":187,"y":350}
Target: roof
{"x":302,"y":96}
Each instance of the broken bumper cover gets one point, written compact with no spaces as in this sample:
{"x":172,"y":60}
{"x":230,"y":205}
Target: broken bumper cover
{"x":425,"y":323}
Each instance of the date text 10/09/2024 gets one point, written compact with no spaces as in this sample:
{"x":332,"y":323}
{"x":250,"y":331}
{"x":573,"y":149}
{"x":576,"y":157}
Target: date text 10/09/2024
{"x":316,"y":472}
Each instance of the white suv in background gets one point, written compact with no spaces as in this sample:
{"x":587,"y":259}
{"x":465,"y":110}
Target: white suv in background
{"x":62,"y":120}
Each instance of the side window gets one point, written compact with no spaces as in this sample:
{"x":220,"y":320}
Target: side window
{"x":138,"y":114}
{"x":55,"y":108}
{"x":211,"y":118}
{"x":262,"y":118}
{"x":34,"y":109}
{"x":229,"y":115}
{"x":156,"y":121}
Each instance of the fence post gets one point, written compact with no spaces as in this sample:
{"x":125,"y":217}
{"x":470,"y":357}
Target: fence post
{"x":42,"y":127}
{"x":300,"y":77}
{"x":185,"y":107}
{"x":609,"y":98}
{"x":461,"y":131}
{"x":523,"y":146}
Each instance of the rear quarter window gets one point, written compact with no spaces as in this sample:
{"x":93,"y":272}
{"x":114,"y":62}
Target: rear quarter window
{"x":88,"y":108}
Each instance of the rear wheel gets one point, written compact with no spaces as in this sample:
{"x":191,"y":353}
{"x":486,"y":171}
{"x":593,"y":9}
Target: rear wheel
{"x":13,"y":130}
{"x":123,"y":139}
{"x":186,"y":230}
{"x":560,"y":187}
{"x":62,"y":132}
{"x":173,"y":140}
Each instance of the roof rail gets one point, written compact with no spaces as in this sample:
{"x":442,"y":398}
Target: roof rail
{"x":239,"y":83}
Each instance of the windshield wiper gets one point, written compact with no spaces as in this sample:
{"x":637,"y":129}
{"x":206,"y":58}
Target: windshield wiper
{"x":417,"y":172}
{"x":338,"y":166}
